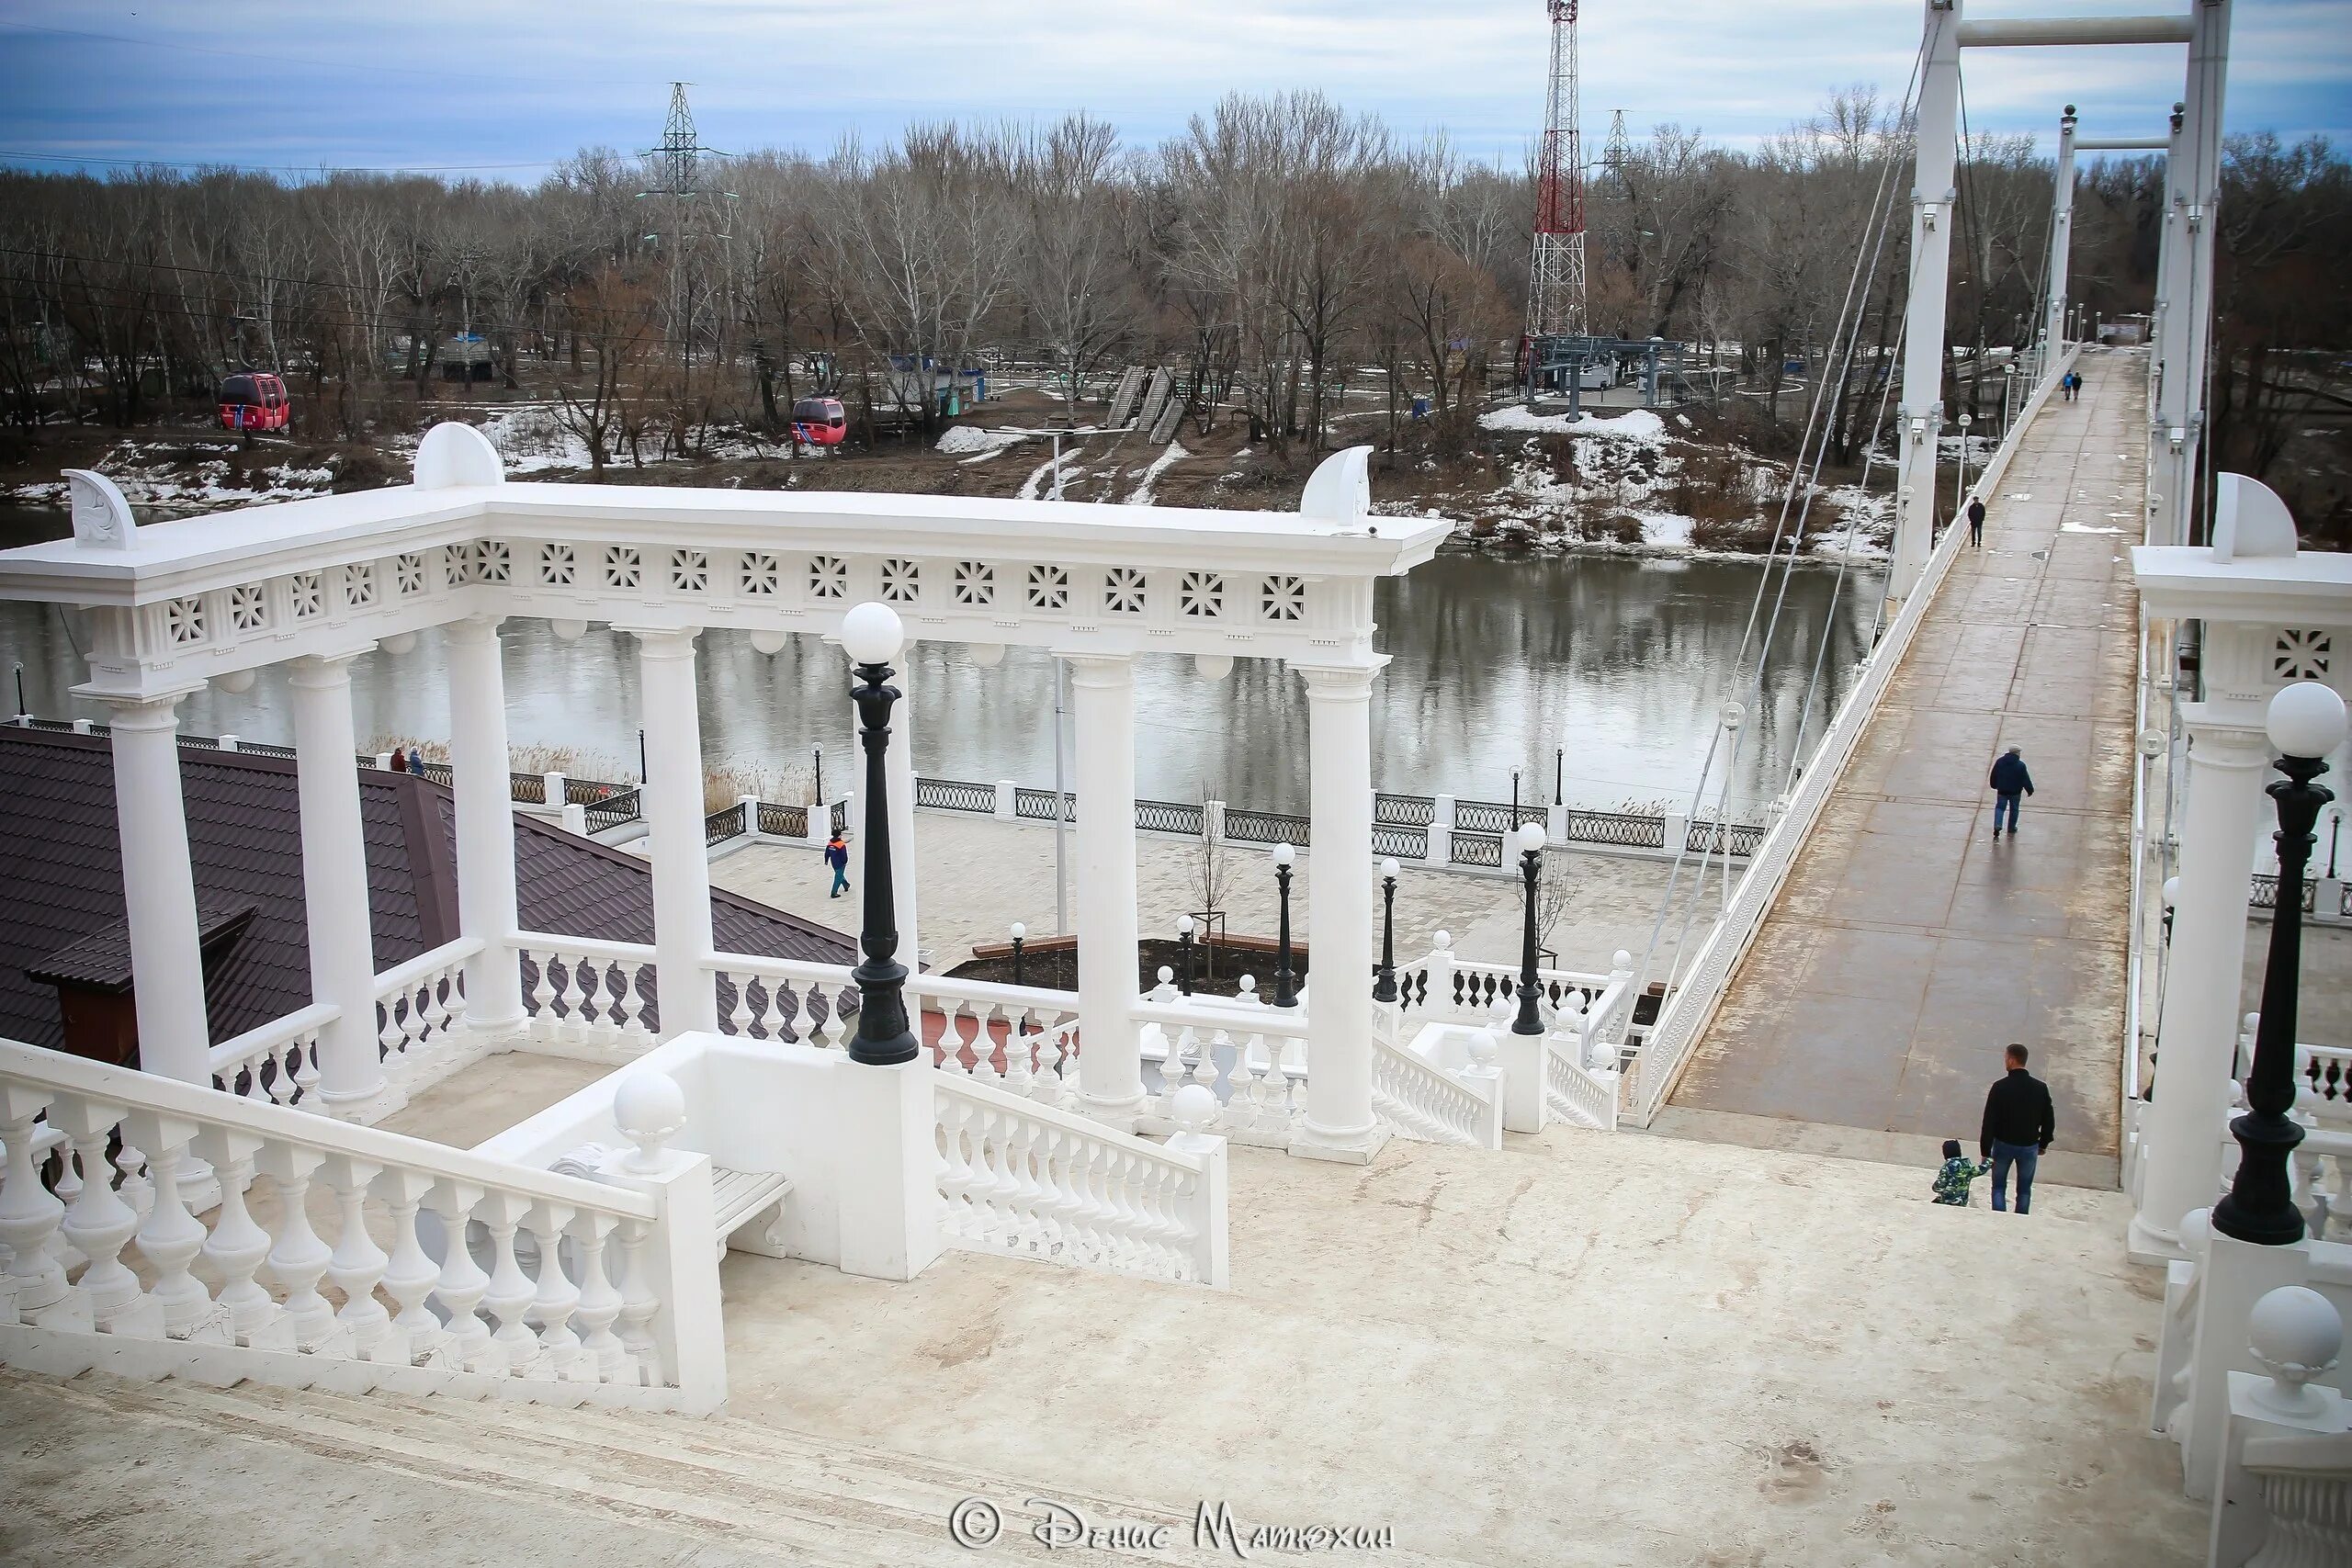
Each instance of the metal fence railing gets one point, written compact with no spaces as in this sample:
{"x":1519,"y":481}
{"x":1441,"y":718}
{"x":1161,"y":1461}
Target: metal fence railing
{"x":1171,"y":816}
{"x":1403,"y":810}
{"x":724,"y":824}
{"x":1400,"y":844}
{"x":528,"y":789}
{"x":954,"y":794}
{"x":1037,"y":805}
{"x":1625,"y":829}
{"x":614,"y":810}
{"x":2264,"y":893}
{"x":784,"y":821}
{"x":1266,"y":827}
{"x":1493,"y":817}
{"x":1476,"y":849}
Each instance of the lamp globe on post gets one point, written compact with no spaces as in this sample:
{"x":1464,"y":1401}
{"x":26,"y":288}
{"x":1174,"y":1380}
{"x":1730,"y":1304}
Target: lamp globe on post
{"x":1384,"y":989}
{"x":1530,"y":842}
{"x":2306,"y":724}
{"x":1184,"y":950}
{"x":1020,"y":940}
{"x":872,"y":636}
{"x":1285,"y":979}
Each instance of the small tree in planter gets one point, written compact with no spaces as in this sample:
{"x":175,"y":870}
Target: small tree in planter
{"x":1208,"y":876}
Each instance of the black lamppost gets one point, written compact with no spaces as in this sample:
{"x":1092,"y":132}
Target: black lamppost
{"x":1559,"y":773}
{"x":1020,"y":939}
{"x":1285,"y":992}
{"x":2172,"y":893}
{"x":1386,"y":991}
{"x":1184,"y":947}
{"x":818,"y":754}
{"x":2306,"y":724}
{"x":872,"y":636}
{"x":1530,"y":839}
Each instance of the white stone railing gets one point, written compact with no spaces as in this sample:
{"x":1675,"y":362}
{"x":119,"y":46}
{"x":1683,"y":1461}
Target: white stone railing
{"x":618,"y":1303}
{"x":1584,"y":1096}
{"x":586,"y":997}
{"x":1035,"y":1181}
{"x":1442,"y":986}
{"x":1250,"y":1057}
{"x":1426,"y":1102}
{"x":420,"y":1008}
{"x":1691,"y":1007}
{"x":980,"y":1021}
{"x":784,"y":999}
{"x":277,"y":1064}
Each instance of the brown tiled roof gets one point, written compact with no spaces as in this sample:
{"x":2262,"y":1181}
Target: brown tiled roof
{"x":60,"y":881}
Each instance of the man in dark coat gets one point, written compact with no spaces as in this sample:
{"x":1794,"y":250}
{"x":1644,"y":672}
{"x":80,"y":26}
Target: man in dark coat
{"x":2018,"y":1126}
{"x":2009,"y":780}
{"x":1976,"y":522}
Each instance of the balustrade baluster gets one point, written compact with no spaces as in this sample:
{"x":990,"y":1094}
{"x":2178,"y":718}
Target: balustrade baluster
{"x":29,"y":1217}
{"x":511,"y":1290}
{"x":236,"y":1245}
{"x":169,"y":1236}
{"x":739,"y":1017}
{"x":462,"y":1284}
{"x":835,"y":1028}
{"x":357,"y":1263}
{"x":137,"y":1191}
{"x":543,"y":991}
{"x":298,"y":1258}
{"x":410,"y":1275}
{"x":793,"y":1023}
{"x":433,"y":1038}
{"x":97,"y":1222}
{"x":639,"y":1304}
{"x":603,"y":1356}
{"x":632,"y":1002}
{"x":573,"y":997}
{"x":557,"y":1297}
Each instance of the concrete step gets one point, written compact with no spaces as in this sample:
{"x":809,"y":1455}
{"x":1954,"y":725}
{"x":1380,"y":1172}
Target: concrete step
{"x":725,"y":1480}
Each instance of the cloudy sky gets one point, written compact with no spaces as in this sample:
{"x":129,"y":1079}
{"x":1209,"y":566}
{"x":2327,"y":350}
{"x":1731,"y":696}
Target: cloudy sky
{"x":504,"y":88}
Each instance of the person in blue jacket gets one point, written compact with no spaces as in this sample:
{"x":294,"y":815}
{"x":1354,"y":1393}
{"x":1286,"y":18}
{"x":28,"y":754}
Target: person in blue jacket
{"x":837,"y":856}
{"x":2009,"y":780}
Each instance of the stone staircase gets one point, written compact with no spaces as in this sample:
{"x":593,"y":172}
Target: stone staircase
{"x":613,"y":1487}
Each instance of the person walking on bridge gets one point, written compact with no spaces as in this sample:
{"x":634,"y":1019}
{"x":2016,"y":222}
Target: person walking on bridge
{"x":2019,"y":1126}
{"x":1977,"y":522}
{"x":2009,"y":780}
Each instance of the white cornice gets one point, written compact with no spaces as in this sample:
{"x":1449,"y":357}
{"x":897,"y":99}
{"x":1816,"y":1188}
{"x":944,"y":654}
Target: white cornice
{"x":2308,"y":589}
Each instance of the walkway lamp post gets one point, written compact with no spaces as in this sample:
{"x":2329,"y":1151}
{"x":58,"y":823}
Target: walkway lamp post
{"x":1184,"y":948}
{"x":872,"y":636}
{"x":1530,"y":839}
{"x":1960,"y":489}
{"x":2009,"y":385}
{"x":1285,"y":992}
{"x":2306,"y":723}
{"x":1386,"y":991}
{"x":1020,"y":940}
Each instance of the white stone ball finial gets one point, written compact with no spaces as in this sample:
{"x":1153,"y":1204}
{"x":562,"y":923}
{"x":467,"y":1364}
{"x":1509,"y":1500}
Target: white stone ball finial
{"x":650,"y":1110}
{"x":2306,"y":719}
{"x":1443,"y":940}
{"x":2195,"y":1232}
{"x":1193,"y":1108}
{"x":1620,"y":962}
{"x":2296,"y":1335}
{"x":1484,"y":1052}
{"x":873,"y":634}
{"x":1166,"y":975}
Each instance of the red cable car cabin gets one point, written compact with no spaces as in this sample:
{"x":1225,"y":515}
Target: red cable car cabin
{"x":821,"y":422}
{"x":254,"y":399}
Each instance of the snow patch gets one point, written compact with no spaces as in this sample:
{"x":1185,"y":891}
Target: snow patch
{"x":2085,"y":528}
{"x":533,"y":441}
{"x":1141,"y":495}
{"x":965,"y":439}
{"x":1637,"y":424}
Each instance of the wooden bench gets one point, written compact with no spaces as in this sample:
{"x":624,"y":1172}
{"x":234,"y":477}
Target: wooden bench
{"x":739,"y":1197}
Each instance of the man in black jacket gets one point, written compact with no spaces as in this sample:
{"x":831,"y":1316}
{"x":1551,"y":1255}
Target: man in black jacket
{"x":2018,"y":1126}
{"x":2009,"y":780}
{"x":1976,"y":522}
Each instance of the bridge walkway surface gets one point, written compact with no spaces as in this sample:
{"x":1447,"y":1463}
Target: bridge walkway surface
{"x":1909,"y":946}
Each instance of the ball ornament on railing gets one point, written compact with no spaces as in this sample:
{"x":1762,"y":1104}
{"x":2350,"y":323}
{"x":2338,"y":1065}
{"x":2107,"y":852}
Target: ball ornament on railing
{"x":873,"y":634}
{"x":1484,"y":1051}
{"x":1621,"y":959}
{"x":650,"y":1108}
{"x":2306,"y":719}
{"x":1193,"y":1108}
{"x":2296,"y":1335}
{"x":2197,"y":1232}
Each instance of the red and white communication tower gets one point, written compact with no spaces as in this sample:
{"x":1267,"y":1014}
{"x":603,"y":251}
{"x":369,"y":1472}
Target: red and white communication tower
{"x":1555,"y":280}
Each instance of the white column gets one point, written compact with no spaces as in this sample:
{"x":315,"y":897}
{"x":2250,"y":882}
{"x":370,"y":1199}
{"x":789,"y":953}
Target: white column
{"x":484,"y":795}
{"x":2193,"y":184}
{"x":2167,"y":487}
{"x":1340,"y":1123}
{"x":334,"y":881}
{"x":674,"y":818}
{"x":1104,"y":898}
{"x":159,"y":892}
{"x":1932,"y":211}
{"x":2197,"y":1031}
{"x":2062,"y":230}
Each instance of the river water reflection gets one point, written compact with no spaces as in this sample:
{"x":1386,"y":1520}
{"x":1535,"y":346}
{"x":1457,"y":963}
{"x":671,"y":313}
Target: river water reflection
{"x":1497,"y":661}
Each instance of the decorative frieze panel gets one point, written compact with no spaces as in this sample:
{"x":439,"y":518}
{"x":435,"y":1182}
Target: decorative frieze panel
{"x":1200,"y":596}
{"x":975,"y":584}
{"x":1282,"y":598}
{"x":249,"y":607}
{"x":359,"y":585}
{"x":901,"y":580}
{"x":689,"y":571}
{"x":2300,"y":655}
{"x":624,"y":567}
{"x":558,"y":566}
{"x":408,"y":576}
{"x":761,"y":575}
{"x":828,"y":578}
{"x":307,"y":594}
{"x":1123,"y":590}
{"x":1048,"y":588}
{"x":184,"y":622}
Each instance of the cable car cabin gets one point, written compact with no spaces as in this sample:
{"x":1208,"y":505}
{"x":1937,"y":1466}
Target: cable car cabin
{"x":821,"y":422}
{"x":255,"y":400}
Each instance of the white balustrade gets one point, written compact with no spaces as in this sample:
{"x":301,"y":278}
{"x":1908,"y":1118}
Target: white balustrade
{"x":1574,"y":1092}
{"x":785,"y":999}
{"x":1251,"y":1058}
{"x":1034,"y":1181}
{"x":420,"y":1014}
{"x":586,"y":998}
{"x":1426,"y":1102}
{"x":277,"y":1064}
{"x":604,"y":1291}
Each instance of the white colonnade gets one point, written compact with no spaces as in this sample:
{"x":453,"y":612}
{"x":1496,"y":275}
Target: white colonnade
{"x":671,"y":711}
{"x":334,"y":881}
{"x":484,"y":796}
{"x":1102,"y":699}
{"x":159,"y":891}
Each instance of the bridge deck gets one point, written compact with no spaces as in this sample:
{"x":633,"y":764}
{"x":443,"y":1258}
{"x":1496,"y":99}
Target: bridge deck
{"x":1909,"y":947}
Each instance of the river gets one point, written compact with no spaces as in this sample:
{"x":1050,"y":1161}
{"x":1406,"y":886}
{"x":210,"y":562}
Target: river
{"x":1500,"y":662}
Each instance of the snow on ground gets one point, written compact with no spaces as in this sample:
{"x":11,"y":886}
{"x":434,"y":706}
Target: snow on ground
{"x":158,"y":474}
{"x":1141,"y":496}
{"x":1669,"y":530}
{"x":965,"y":439}
{"x":1639,"y":424}
{"x":531,"y":440}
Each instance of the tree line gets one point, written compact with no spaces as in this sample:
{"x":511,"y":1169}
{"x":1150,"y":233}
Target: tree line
{"x":1268,"y":255}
